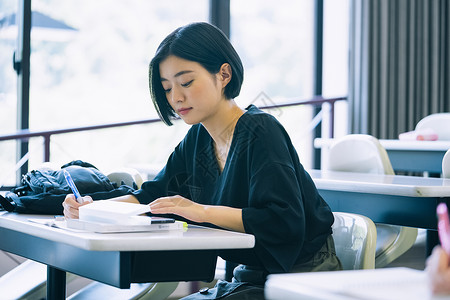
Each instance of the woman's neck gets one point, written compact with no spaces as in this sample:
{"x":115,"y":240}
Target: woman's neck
{"x":221,"y":128}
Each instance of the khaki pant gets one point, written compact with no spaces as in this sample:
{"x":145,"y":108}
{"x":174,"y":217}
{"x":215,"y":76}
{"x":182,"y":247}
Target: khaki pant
{"x":324,"y":260}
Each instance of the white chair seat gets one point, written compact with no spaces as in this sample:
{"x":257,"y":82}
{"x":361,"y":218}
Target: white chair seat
{"x":355,"y":237}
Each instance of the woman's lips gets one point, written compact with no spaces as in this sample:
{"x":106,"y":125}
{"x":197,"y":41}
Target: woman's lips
{"x":183,"y":111}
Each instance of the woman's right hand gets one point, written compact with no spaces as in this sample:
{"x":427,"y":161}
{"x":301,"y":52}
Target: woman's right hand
{"x":71,"y":205}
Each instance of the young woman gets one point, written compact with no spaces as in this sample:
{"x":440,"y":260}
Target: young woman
{"x":235,"y":169}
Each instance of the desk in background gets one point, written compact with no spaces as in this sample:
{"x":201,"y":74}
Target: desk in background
{"x":406,"y":156}
{"x":391,"y":199}
{"x":118,"y":259}
{"x":377,"y":284}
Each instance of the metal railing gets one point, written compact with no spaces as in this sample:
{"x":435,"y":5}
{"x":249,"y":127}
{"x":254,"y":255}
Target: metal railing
{"x":24,"y":135}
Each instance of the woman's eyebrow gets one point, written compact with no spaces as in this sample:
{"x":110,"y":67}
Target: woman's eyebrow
{"x":178,"y":74}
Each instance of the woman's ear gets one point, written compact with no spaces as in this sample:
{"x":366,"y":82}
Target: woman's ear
{"x":225,"y":74}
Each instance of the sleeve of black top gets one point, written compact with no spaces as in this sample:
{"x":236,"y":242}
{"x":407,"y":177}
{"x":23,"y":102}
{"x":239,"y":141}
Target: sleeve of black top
{"x":169,"y":181}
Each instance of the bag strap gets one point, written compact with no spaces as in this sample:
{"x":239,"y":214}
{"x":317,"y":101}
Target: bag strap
{"x":8,"y":204}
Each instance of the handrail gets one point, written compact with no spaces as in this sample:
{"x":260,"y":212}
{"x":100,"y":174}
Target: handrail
{"x":26,"y":134}
{"x":313,"y":101}
{"x":46,"y":134}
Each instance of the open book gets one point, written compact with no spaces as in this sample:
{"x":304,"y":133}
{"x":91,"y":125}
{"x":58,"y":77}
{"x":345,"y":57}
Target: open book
{"x":104,"y":216}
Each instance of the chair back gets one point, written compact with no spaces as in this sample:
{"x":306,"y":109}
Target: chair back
{"x":127,"y":176}
{"x":359,"y":153}
{"x":439,"y":123}
{"x":446,"y":165}
{"x":355,"y":238}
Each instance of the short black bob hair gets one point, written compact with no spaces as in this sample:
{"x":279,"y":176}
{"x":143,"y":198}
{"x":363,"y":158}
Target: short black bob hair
{"x":202,"y":43}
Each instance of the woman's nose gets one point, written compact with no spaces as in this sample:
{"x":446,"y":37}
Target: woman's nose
{"x":177,"y":95}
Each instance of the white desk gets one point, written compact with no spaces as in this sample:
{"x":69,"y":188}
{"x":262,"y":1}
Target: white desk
{"x":408,"y":156}
{"x":391,"y":199}
{"x":118,"y":259}
{"x":378,"y":284}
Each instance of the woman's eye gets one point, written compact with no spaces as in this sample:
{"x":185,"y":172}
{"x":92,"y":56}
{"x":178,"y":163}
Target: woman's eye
{"x":167,"y":90}
{"x":187,"y":83}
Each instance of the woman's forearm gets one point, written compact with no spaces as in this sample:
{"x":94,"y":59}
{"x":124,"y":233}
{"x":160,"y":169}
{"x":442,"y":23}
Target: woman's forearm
{"x":225,"y":217}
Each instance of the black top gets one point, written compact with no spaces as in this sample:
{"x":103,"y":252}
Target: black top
{"x":263,"y":175}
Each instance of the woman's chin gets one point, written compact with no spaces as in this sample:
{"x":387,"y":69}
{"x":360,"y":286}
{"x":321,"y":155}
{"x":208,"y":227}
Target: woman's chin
{"x":189,"y":121}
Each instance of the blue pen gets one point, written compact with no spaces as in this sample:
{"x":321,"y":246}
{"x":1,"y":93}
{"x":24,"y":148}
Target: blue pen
{"x":72,"y":186}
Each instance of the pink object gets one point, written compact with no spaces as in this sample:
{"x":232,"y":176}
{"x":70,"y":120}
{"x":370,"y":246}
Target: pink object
{"x":419,"y":135}
{"x":443,"y":227}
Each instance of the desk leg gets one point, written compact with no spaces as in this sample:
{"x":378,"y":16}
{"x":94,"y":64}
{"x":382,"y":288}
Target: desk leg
{"x":432,"y":240}
{"x":56,"y":283}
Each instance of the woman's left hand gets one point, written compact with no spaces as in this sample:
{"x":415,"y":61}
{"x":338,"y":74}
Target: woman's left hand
{"x":180,"y":206}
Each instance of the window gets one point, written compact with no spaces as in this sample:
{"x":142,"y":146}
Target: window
{"x":8,"y":88}
{"x":93,"y":69}
{"x":335,"y":60}
{"x":275,"y":42}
